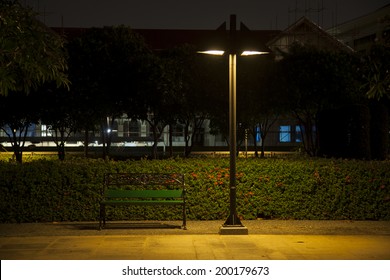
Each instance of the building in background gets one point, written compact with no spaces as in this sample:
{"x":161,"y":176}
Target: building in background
{"x":305,"y":32}
{"x":362,"y":32}
{"x":285,"y":132}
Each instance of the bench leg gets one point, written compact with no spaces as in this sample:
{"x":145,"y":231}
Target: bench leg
{"x":184,"y":226}
{"x":102,"y":216}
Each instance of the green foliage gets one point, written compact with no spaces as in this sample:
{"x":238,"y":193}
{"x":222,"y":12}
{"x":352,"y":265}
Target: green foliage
{"x":45,"y":191}
{"x":30,"y":53}
{"x":376,"y":74}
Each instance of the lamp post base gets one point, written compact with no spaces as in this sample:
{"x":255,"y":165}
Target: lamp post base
{"x":233,"y":230}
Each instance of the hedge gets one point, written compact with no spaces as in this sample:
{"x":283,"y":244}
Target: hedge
{"x":48,"y":191}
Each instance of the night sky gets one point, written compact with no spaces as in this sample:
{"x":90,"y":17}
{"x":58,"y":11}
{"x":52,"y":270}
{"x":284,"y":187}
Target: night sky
{"x":200,"y":14}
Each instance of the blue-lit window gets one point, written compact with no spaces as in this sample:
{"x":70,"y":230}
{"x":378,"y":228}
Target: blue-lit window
{"x":298,"y":134}
{"x":285,"y":134}
{"x":290,"y":134}
{"x":258,"y":135}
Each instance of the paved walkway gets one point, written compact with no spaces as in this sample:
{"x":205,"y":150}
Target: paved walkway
{"x":267,"y":239}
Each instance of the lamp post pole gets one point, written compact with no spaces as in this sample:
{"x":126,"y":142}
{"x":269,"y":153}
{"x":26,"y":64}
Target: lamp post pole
{"x":233,"y":224}
{"x":233,"y":219}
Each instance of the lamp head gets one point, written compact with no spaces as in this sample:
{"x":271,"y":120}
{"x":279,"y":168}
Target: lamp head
{"x":247,"y":53}
{"x":241,"y":42}
{"x":213,"y":52}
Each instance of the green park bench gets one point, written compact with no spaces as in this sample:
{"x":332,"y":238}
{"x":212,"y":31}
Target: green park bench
{"x":123,"y":189}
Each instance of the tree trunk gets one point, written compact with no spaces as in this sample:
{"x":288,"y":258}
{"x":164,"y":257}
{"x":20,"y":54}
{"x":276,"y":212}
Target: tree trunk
{"x":170,"y":140}
{"x":61,"y":151}
{"x":86,"y":143}
{"x":156,"y":135}
{"x":263,"y":135}
{"x":107,"y":138}
{"x":18,"y":153}
{"x":106,"y":148}
{"x":309,"y":134}
{"x":187,"y":138}
{"x":254,"y":132}
{"x":18,"y":142}
{"x":155,"y":143}
{"x":60,"y":144}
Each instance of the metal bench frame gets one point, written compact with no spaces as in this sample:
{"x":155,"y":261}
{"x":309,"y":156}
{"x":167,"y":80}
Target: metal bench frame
{"x":122,"y":189}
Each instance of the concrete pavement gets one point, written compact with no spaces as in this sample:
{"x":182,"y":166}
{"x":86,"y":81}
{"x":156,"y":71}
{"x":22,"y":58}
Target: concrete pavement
{"x":267,"y":239}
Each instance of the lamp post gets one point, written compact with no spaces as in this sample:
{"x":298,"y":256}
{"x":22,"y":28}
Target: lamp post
{"x":233,"y":225}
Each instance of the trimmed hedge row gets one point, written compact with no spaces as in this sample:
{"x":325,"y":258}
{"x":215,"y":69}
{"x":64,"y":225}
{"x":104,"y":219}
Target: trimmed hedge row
{"x":46,"y":191}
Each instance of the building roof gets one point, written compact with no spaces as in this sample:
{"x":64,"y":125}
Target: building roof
{"x":160,"y":39}
{"x":362,"y":32}
{"x":377,"y":17}
{"x":306,"y":32}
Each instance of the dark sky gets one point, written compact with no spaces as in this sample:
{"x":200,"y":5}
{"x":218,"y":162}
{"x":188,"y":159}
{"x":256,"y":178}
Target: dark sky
{"x":200,"y":14}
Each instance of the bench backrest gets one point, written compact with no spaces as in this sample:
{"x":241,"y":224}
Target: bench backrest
{"x":144,"y":193}
{"x":144,"y":185}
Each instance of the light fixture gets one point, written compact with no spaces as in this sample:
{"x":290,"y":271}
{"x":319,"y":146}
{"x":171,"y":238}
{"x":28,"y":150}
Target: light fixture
{"x":247,"y":53}
{"x":212,"y":52}
{"x":220,"y":52}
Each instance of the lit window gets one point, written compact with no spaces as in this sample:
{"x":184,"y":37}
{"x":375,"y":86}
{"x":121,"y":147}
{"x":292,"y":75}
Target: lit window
{"x":285,"y":133}
{"x":258,"y":134}
{"x":134,"y":128}
{"x":45,"y":131}
{"x":298,"y":134}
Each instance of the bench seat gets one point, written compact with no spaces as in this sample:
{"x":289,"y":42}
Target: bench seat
{"x":116,"y":191}
{"x":144,"y":202}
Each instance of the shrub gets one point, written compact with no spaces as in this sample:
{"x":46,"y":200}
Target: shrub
{"x":45,"y":191}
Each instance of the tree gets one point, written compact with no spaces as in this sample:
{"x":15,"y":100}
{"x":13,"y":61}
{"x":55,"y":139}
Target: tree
{"x":18,"y":114}
{"x":376,"y":73}
{"x":107,"y":67}
{"x":190,"y":91}
{"x":258,"y":98}
{"x":86,"y":117}
{"x":58,"y":113}
{"x":316,"y":80}
{"x":375,"y":69}
{"x":30,"y":53}
{"x":216,"y":79}
{"x":155,"y":105}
